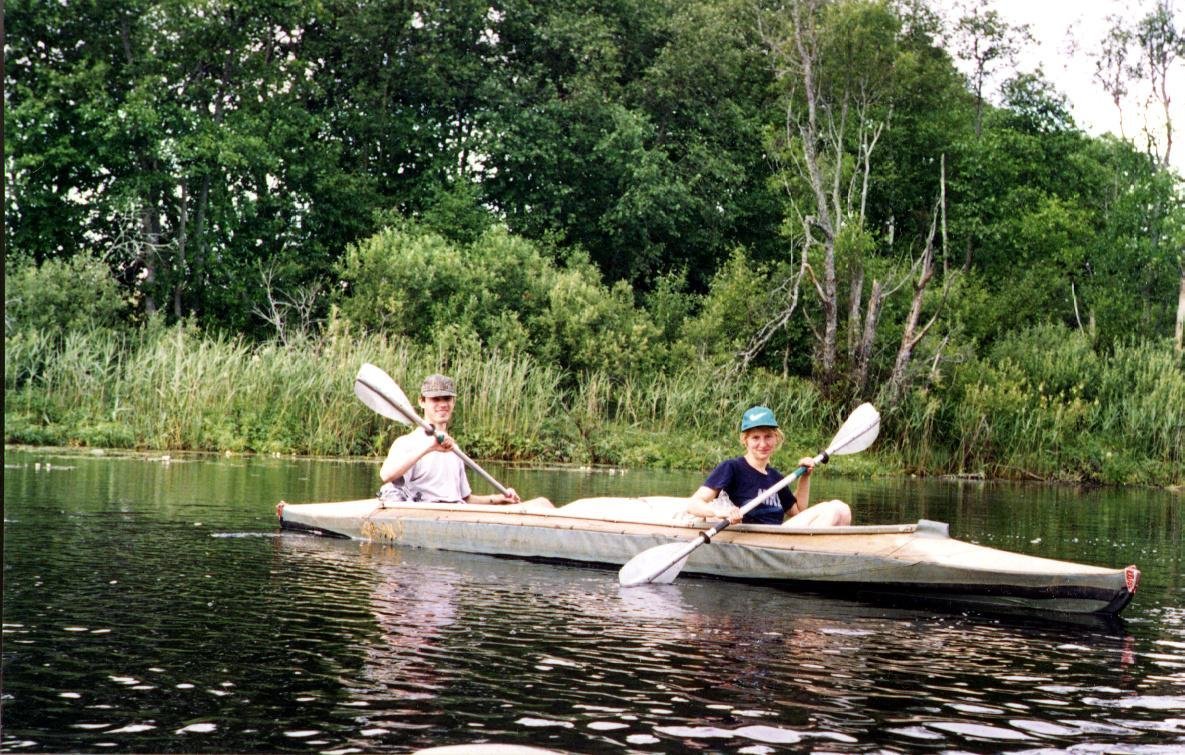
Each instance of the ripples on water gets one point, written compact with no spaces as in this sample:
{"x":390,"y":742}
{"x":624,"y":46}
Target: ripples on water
{"x":125,"y":632}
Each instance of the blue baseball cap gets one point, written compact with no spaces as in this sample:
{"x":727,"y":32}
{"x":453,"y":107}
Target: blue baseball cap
{"x":758,"y":416}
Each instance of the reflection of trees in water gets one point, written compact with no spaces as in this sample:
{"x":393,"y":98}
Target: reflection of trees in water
{"x":778,"y":662}
{"x":465,"y":646}
{"x":413,"y":608}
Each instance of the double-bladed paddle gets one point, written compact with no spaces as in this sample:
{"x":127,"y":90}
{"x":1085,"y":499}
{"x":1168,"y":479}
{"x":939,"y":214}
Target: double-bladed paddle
{"x":380,"y":392}
{"x":663,"y":563}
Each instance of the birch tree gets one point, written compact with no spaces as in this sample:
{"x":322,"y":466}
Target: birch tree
{"x":1141,"y":60}
{"x":985,"y":41}
{"x":834,"y":64}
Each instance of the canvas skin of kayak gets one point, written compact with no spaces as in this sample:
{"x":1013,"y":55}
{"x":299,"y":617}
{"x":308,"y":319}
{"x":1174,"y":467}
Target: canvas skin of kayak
{"x":909,"y":560}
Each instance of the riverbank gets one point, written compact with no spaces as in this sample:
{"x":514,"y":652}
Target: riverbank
{"x":1056,"y":413}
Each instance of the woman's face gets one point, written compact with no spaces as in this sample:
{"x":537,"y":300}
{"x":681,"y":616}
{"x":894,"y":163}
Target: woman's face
{"x":761,"y":442}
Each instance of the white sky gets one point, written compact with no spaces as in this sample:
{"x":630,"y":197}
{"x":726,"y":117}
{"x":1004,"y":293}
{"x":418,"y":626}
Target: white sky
{"x":1053,"y":23}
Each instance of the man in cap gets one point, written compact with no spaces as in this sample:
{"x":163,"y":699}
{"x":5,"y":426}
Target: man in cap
{"x":421,"y":468}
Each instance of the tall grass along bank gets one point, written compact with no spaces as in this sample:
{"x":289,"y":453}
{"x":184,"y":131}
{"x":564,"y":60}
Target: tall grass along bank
{"x":1043,"y":405}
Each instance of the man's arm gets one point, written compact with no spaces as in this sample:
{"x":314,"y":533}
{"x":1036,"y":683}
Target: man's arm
{"x":405,"y":452}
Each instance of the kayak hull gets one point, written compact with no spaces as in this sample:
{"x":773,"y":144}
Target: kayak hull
{"x":909,"y":560}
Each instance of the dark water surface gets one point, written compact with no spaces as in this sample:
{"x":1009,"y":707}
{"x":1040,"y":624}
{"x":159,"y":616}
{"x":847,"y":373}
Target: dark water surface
{"x":153,"y":606}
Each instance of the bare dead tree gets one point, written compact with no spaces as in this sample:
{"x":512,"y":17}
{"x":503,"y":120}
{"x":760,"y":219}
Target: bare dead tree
{"x":855,"y":296}
{"x":1112,"y":68}
{"x":827,"y":112}
{"x":1161,"y":44}
{"x":292,"y":315}
{"x":1153,"y":45}
{"x":880,"y":293}
{"x":984,"y":39}
{"x":911,"y":334}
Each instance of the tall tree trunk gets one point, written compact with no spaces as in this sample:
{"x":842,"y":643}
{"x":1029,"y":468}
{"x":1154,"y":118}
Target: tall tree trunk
{"x":864,"y":351}
{"x":911,"y":335}
{"x":857,"y":293}
{"x":180,"y":272}
{"x":197,"y":277}
{"x":146,"y":252}
{"x":1179,"y":332}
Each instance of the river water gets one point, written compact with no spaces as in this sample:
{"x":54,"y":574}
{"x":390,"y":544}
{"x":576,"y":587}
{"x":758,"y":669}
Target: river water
{"x":151,"y":604}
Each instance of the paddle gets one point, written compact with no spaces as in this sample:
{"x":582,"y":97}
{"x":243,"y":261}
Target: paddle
{"x":380,"y":392}
{"x":663,"y":563}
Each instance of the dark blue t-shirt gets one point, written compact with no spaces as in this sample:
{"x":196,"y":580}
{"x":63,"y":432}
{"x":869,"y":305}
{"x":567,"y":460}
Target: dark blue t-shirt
{"x":743,"y":483}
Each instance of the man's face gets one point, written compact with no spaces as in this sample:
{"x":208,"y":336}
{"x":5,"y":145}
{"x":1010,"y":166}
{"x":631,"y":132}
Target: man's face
{"x":438,"y":410}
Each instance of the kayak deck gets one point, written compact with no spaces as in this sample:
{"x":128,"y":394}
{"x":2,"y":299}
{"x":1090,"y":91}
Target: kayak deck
{"x":919,"y":560}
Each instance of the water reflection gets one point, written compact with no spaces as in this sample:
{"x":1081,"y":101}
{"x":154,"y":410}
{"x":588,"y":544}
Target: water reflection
{"x":558,"y":655}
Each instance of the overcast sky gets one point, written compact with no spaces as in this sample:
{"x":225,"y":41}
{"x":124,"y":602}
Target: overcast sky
{"x":1053,"y":23}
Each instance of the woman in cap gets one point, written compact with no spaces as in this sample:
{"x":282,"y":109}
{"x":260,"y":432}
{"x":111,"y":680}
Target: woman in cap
{"x":743,"y":478}
{"x":421,"y":468}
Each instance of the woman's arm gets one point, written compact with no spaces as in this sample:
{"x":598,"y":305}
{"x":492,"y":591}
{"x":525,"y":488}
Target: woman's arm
{"x":802,"y":492}
{"x":700,"y":504}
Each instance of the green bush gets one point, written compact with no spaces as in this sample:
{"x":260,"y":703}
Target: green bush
{"x":589,"y":327}
{"x":412,"y":282}
{"x":499,"y":293}
{"x":739,"y":302}
{"x":1045,"y":402}
{"x":61,"y":295}
{"x":25,"y":427}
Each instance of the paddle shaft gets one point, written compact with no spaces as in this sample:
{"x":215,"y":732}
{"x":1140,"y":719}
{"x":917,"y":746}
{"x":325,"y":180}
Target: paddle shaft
{"x":416,"y":419}
{"x":704,"y":538}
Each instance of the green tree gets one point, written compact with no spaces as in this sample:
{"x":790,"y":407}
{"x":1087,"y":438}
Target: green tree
{"x":178,"y":139}
{"x":631,"y":129}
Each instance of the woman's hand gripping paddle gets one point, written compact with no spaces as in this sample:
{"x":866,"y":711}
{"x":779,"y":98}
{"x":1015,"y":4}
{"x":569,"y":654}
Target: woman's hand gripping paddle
{"x":663,"y":563}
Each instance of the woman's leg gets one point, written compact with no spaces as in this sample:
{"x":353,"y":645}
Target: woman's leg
{"x":826,"y":514}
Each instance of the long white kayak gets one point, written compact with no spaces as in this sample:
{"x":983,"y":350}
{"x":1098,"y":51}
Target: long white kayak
{"x":915,"y":560}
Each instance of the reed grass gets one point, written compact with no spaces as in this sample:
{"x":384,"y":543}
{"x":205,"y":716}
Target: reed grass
{"x":1042,"y":405}
{"x":180,"y":389}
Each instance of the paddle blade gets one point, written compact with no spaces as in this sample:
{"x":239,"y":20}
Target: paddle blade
{"x":858,"y":432}
{"x":660,"y":564}
{"x":377,"y":390}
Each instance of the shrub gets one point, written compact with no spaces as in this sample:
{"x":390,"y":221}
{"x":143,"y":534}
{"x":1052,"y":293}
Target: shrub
{"x":589,"y":327}
{"x":737,"y":305}
{"x":61,"y":295}
{"x":412,"y":282}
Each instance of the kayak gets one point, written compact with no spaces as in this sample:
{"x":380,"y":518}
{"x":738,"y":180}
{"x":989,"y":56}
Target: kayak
{"x":919,"y":561}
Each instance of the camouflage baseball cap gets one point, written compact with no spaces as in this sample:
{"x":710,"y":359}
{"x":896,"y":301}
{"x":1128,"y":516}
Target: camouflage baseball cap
{"x":438,"y":385}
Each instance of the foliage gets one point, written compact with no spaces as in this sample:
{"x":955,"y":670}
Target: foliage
{"x":740,"y":295}
{"x":1044,"y":403}
{"x":409,"y":282}
{"x":589,"y":188}
{"x":60,"y":295}
{"x":501,"y":291}
{"x":588,"y":327}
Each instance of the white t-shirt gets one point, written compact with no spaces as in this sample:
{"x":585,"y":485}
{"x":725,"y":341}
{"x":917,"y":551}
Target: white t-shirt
{"x":437,"y":476}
